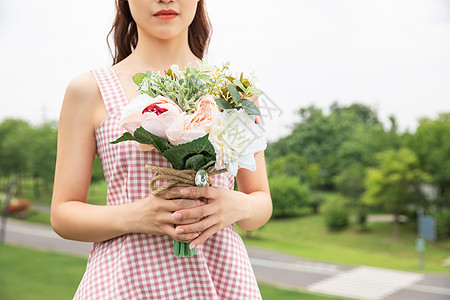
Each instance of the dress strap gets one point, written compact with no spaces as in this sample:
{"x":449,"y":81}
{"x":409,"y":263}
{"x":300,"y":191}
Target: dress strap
{"x":110,"y":88}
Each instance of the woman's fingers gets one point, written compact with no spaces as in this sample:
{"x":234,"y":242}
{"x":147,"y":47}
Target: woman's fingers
{"x":197,"y":226}
{"x":187,"y":203}
{"x":189,"y":193}
{"x":198,"y":212}
{"x":204,"y":236}
{"x":163,"y":204}
{"x":182,"y":237}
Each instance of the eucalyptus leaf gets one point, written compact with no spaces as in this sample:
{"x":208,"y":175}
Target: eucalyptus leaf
{"x":138,"y":77}
{"x":239,"y":84}
{"x":250,"y":107}
{"x":254,"y":90}
{"x":206,"y":78}
{"x":234,"y":94}
{"x":223,"y":104}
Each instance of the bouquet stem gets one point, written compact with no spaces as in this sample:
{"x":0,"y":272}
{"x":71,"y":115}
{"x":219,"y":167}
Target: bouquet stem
{"x":181,"y":249}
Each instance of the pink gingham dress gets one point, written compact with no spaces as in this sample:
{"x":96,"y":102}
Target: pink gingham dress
{"x":142,"y":266}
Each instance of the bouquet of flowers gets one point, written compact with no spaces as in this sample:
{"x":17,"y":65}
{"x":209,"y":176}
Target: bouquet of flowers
{"x":200,"y":119}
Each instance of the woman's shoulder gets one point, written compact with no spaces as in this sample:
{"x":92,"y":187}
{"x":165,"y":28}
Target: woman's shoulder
{"x":83,"y":86}
{"x":83,"y":95}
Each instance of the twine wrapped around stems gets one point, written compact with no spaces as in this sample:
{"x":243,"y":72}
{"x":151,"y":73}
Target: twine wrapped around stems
{"x":177,"y":177}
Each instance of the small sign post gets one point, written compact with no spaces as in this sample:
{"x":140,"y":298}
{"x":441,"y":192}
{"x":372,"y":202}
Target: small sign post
{"x":427,"y":232}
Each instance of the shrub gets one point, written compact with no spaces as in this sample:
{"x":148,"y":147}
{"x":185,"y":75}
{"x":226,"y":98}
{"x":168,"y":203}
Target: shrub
{"x":336,"y":213}
{"x":288,"y":194}
{"x":316,"y":201}
{"x":442,"y":218}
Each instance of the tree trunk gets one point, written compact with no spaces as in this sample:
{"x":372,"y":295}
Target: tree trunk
{"x":36,"y":188}
{"x":395,"y":227}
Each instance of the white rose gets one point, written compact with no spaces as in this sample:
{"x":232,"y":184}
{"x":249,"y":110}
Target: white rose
{"x":236,"y":140}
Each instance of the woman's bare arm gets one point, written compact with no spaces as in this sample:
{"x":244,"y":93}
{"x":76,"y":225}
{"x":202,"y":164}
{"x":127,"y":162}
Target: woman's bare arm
{"x":256,"y":186}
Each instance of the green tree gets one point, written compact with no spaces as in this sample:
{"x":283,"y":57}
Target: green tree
{"x":288,"y":195}
{"x":395,"y":183}
{"x":295,"y":165}
{"x":431,"y":143}
{"x":15,"y":149}
{"x":358,"y":152}
{"x":329,"y":140}
{"x":42,"y":156}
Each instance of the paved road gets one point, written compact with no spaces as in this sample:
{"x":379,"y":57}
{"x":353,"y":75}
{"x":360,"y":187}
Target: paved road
{"x":359,"y":282}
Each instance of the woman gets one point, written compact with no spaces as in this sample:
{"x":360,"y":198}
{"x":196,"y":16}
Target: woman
{"x":131,"y":257}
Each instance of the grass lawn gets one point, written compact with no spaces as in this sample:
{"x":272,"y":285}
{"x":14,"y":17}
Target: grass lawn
{"x":269,"y":292}
{"x":307,"y":237}
{"x":30,"y":274}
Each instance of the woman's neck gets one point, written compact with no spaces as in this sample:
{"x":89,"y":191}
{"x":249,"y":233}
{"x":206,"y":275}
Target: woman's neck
{"x":157,"y":55}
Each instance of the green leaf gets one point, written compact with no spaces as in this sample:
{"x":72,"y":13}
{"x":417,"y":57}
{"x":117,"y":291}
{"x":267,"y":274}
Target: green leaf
{"x":223,"y":104}
{"x":137,"y":78}
{"x":198,"y":161}
{"x":254,"y":90}
{"x":144,"y":137}
{"x":178,"y":155}
{"x":206,"y":78}
{"x":125,"y":137}
{"x":209,"y":164}
{"x":239,"y":84}
{"x":250,"y":107}
{"x":234,"y":93}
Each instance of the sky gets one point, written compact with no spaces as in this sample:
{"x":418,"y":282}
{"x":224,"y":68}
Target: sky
{"x":391,"y":55}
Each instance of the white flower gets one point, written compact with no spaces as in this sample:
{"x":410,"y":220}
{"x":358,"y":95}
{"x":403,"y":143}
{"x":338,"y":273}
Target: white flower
{"x":236,"y":140}
{"x":144,"y":86}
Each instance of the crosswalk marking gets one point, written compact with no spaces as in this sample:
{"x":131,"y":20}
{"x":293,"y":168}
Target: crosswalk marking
{"x":366,"y":283}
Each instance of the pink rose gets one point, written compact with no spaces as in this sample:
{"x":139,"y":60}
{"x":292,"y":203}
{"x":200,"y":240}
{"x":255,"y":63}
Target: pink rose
{"x":153,"y":114}
{"x":191,"y":127}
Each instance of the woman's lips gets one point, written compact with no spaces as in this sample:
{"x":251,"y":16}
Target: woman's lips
{"x":166,"y":14}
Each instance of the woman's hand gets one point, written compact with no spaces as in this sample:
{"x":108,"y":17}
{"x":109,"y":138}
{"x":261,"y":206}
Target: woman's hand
{"x":223,"y":207}
{"x":154,"y":215}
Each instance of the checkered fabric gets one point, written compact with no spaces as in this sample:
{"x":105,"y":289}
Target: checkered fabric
{"x":142,"y":266}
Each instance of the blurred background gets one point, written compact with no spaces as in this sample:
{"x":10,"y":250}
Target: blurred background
{"x":357,"y":112}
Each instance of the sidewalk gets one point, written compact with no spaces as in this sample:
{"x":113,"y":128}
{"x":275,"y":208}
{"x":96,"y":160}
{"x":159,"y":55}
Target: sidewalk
{"x":283,"y":270}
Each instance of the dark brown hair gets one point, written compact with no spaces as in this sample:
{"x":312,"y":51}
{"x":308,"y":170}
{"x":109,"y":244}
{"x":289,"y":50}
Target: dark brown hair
{"x":125,"y":35}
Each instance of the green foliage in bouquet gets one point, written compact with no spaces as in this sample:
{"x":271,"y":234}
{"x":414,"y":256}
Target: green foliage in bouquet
{"x":198,"y":154}
{"x":184,"y":88}
{"x":232,"y":99}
